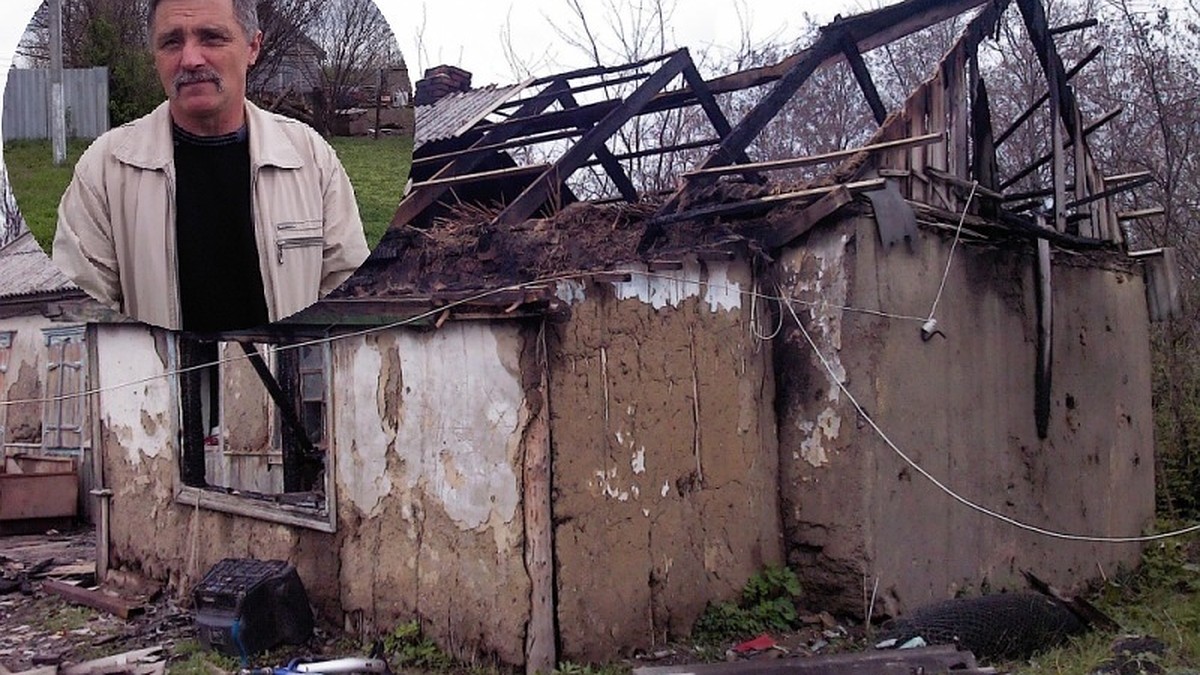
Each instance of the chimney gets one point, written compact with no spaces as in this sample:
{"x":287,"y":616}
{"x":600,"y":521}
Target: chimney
{"x":441,"y":81}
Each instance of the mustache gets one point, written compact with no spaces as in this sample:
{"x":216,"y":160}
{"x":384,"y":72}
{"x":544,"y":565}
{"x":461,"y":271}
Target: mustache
{"x":196,"y":76}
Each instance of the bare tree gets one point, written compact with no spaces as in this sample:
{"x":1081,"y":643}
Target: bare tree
{"x":358,"y":43}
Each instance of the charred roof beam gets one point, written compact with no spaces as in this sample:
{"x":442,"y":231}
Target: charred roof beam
{"x":1043,"y":42}
{"x":605,"y":156}
{"x":863,"y":75}
{"x":532,"y":198}
{"x":420,"y":199}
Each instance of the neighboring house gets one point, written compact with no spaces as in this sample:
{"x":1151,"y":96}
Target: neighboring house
{"x":294,"y":65}
{"x":44,"y":364}
{"x":553,"y":430}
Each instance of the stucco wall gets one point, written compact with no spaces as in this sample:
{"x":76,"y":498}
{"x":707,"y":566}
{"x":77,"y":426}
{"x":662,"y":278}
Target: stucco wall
{"x":427,"y":429}
{"x":22,"y":379}
{"x":664,"y":454}
{"x":962,"y":407}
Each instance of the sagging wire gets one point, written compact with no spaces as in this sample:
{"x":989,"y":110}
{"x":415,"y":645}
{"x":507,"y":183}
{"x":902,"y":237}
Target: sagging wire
{"x":753,"y":294}
{"x":929,"y":326}
{"x":870,"y":421}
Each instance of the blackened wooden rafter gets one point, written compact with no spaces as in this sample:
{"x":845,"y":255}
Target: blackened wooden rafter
{"x":536,"y":194}
{"x":865,"y":32}
{"x":1056,"y":74}
{"x":420,"y":199}
{"x":863,"y":75}
{"x":605,"y":156}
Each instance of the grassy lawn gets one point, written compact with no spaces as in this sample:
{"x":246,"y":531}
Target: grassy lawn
{"x":38,"y":184}
{"x":377,"y":169}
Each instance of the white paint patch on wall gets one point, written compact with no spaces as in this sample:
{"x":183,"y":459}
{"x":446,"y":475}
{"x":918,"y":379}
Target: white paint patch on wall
{"x":671,"y":288}
{"x":461,"y":412}
{"x":128,"y":354}
{"x":827,"y":428}
{"x":570,"y":291}
{"x":362,"y":473}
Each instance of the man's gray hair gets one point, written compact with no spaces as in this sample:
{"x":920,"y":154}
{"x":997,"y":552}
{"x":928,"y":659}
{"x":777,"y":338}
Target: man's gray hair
{"x":246,"y":12}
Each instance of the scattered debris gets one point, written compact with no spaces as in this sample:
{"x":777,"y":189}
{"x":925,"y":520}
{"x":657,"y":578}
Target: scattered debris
{"x":928,"y":660}
{"x":94,"y":598}
{"x":1134,"y":655}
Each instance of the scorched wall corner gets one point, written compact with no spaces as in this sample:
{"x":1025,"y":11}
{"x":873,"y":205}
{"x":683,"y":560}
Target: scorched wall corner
{"x":961,"y":405}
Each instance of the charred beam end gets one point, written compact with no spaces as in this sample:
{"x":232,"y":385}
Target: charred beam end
{"x":605,"y":156}
{"x":1078,"y":25}
{"x":863,"y":75}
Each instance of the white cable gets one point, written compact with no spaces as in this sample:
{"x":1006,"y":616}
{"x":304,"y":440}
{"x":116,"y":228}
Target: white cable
{"x":954,"y":495}
{"x":930,"y":323}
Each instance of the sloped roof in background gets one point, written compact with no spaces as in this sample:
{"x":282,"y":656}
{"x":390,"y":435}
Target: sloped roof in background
{"x":451,"y":115}
{"x":26,"y":270}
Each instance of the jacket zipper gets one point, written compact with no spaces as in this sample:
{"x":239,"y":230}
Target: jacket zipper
{"x":295,"y":242}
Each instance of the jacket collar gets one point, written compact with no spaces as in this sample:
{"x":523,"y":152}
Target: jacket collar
{"x":149,"y":145}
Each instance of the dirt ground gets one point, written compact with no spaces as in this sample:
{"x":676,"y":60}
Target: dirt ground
{"x":41,"y":629}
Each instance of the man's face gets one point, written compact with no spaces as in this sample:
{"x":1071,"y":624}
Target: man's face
{"x":202,"y":55}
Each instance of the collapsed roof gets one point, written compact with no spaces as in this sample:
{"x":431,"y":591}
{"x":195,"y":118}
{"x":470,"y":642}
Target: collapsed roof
{"x":495,"y":170}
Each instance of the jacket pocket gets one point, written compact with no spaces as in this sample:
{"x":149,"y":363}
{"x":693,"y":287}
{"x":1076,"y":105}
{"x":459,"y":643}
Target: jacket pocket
{"x":283,"y":244}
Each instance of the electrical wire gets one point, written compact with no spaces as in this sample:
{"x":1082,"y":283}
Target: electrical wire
{"x":950,"y":492}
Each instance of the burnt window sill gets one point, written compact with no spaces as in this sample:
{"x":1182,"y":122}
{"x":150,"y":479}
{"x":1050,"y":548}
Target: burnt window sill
{"x":300,"y":509}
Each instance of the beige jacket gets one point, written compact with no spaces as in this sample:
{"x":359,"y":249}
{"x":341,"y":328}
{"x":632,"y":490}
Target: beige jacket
{"x":116,"y":220}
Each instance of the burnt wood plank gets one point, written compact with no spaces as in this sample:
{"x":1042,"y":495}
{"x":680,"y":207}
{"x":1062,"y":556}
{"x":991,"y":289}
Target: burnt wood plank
{"x":863,"y":76}
{"x":810,"y":216}
{"x":419,"y":200}
{"x":536,"y":194}
{"x":809,"y":160}
{"x":94,"y":599}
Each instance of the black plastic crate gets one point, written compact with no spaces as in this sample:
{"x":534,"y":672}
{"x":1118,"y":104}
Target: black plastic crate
{"x":246,"y":606}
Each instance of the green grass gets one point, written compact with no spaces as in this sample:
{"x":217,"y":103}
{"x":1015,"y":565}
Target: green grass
{"x":1162,"y":600}
{"x":377,"y":169}
{"x":38,"y":183}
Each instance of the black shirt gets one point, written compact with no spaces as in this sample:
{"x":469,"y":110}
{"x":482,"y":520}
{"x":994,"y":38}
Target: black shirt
{"x":220,"y":285}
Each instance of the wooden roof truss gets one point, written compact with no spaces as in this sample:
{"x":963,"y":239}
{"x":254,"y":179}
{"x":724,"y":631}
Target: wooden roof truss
{"x":937,"y":149}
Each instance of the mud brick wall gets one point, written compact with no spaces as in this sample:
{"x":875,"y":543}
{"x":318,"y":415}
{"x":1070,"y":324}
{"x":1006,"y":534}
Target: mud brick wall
{"x":664,"y":455}
{"x":963,"y":407}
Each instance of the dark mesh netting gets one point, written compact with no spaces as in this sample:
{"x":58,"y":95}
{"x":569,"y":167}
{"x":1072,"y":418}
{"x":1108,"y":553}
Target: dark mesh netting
{"x":1005,"y":626}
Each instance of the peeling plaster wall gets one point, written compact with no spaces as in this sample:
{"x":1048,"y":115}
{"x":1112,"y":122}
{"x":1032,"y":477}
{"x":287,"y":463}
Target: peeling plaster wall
{"x":429,"y":483}
{"x":657,"y":511}
{"x":23,"y":379}
{"x":427,"y":429}
{"x":962,"y":407}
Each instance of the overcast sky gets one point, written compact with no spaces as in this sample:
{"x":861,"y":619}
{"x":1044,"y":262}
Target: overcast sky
{"x":469,"y":33}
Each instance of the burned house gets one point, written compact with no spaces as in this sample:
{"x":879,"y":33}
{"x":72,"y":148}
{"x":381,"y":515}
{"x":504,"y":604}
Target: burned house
{"x":555,"y":424}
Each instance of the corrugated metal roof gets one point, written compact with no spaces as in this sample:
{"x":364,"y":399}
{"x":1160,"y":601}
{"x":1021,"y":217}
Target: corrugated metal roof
{"x":455,"y":113}
{"x":25,"y":269}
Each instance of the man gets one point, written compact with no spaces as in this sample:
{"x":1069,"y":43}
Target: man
{"x":209,"y":213}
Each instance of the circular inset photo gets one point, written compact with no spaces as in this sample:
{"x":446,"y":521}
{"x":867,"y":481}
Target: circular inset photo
{"x":206,"y":165}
